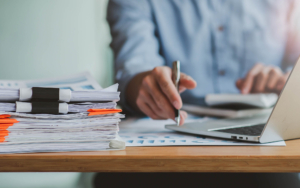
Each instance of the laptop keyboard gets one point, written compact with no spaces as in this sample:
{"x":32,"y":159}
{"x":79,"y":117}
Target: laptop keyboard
{"x":254,"y":130}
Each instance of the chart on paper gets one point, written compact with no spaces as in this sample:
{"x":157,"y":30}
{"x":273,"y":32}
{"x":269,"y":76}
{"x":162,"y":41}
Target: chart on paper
{"x":147,"y":132}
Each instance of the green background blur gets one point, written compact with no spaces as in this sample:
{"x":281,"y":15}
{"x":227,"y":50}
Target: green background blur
{"x":48,"y":38}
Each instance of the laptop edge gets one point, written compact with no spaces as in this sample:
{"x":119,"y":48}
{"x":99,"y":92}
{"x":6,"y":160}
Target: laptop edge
{"x":282,"y":124}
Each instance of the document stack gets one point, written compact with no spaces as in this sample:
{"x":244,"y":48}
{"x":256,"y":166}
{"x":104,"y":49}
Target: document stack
{"x":68,"y":114}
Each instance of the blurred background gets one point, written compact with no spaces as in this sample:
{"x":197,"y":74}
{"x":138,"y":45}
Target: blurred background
{"x":48,"y":38}
{"x":40,"y":39}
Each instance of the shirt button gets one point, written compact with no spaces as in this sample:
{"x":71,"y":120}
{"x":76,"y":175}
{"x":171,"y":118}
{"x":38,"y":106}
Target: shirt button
{"x":222,"y":72}
{"x":221,"y":28}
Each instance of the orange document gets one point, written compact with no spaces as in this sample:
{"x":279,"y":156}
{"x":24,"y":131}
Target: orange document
{"x":5,"y":126}
{"x":94,"y":112}
{"x":4,"y":116}
{"x":8,"y":121}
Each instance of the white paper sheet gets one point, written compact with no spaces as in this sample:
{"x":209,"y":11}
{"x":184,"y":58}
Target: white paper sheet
{"x":147,"y":132}
{"x":73,"y":117}
{"x":77,"y":82}
{"x":83,"y":87}
{"x":71,"y":108}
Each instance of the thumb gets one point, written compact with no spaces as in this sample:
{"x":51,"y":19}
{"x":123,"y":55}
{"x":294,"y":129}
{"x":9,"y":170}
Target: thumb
{"x":187,"y":81}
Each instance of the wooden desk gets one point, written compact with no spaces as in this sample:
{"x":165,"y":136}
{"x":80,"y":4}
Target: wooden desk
{"x":162,"y":159}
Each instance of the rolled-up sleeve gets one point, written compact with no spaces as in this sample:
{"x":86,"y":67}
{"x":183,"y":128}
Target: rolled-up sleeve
{"x":134,"y":43}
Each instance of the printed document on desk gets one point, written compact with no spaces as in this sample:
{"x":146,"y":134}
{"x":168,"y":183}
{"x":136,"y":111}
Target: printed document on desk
{"x":148,"y":132}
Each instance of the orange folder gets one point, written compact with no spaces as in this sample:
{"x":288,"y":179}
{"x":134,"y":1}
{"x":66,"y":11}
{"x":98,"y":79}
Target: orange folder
{"x":4,"y":116}
{"x":4,"y":133}
{"x":94,"y":112}
{"x":7,"y":120}
{"x":5,"y":126}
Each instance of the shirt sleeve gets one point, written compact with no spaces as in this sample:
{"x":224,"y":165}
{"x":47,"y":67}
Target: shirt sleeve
{"x":134,"y":42}
{"x":292,"y":51}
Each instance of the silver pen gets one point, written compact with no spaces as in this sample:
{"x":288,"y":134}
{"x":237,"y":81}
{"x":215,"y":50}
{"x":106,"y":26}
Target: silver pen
{"x":176,"y":78}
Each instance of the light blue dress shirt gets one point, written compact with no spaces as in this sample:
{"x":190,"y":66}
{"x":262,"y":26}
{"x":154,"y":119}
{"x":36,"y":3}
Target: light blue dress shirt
{"x":217,"y":41}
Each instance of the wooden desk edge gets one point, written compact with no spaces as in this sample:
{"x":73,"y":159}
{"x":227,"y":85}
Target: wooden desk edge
{"x":158,"y":159}
{"x":150,"y":165}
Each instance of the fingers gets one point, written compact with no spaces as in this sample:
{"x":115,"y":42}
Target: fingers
{"x":281,"y":82}
{"x":183,"y":116}
{"x":280,"y":85}
{"x":147,"y":98}
{"x":146,"y":109}
{"x":160,"y":100}
{"x":157,"y":95}
{"x":163,"y":77}
{"x":239,"y":84}
{"x":274,"y":76}
{"x":260,"y":80}
{"x":181,"y":89}
{"x":187,"y":81}
{"x":249,"y":80}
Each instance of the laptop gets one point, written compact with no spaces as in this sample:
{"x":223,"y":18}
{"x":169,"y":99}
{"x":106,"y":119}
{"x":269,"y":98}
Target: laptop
{"x":282,"y":124}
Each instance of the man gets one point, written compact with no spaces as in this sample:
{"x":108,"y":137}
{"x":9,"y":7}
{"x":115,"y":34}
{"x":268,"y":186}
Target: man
{"x":225,"y":46}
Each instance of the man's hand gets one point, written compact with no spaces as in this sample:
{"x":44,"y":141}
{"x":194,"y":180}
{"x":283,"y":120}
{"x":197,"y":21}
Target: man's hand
{"x":263,"y":79}
{"x":154,"y":93}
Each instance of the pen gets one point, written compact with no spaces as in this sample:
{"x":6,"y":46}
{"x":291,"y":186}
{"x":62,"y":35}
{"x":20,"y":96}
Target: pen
{"x":176,"y":78}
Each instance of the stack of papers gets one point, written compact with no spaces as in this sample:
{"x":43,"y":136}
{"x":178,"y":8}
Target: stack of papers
{"x":87,"y":126}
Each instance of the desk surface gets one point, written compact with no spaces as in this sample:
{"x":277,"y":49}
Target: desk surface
{"x":162,"y":159}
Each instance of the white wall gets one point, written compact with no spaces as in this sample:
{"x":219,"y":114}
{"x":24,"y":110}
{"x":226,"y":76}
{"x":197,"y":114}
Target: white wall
{"x":45,"y":38}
